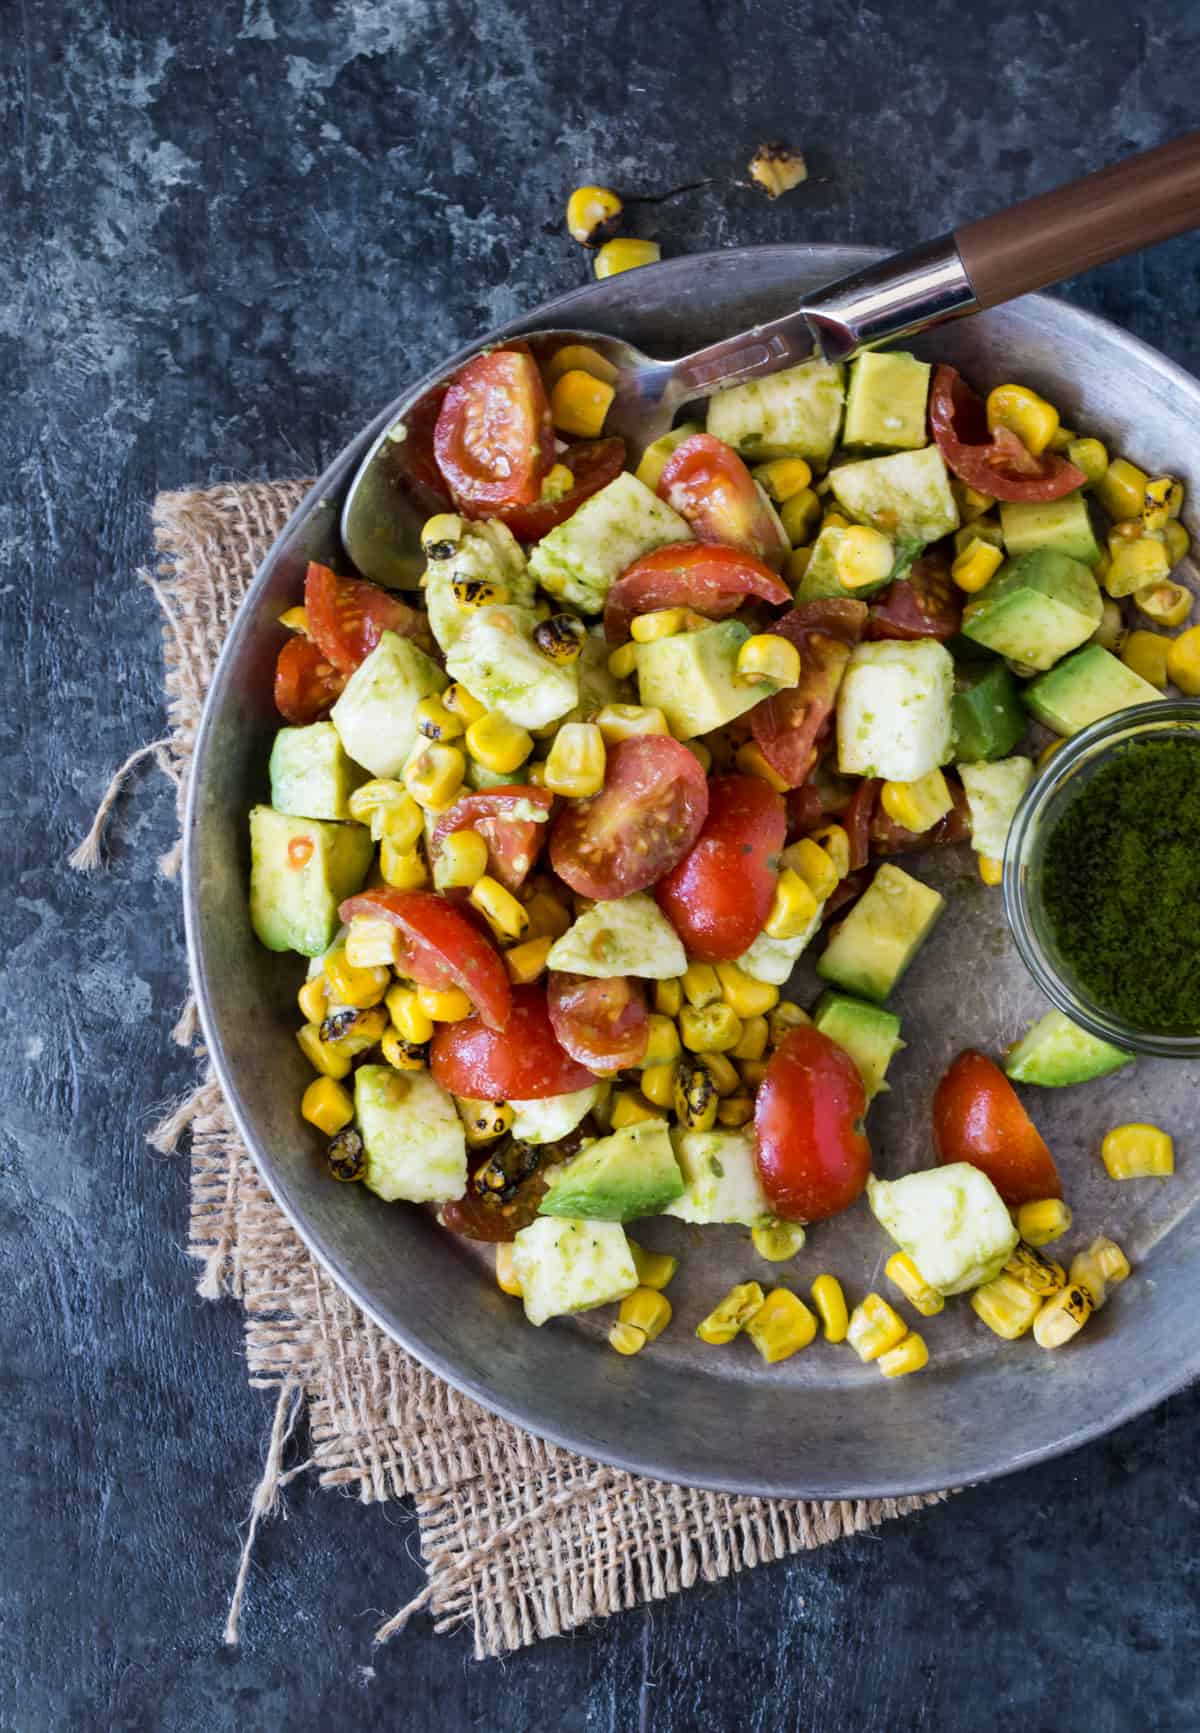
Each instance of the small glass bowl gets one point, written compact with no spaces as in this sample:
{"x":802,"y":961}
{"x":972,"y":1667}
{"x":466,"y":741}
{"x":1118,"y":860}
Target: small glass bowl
{"x":1044,"y":802}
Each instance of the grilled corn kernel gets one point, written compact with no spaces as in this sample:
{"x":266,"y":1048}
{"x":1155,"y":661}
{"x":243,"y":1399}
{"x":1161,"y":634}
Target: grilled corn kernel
{"x":576,"y":762}
{"x":1135,"y":565}
{"x":327,"y":1058}
{"x":1163,"y":501}
{"x":626,"y":721}
{"x":778,"y":1241}
{"x":783,"y":477}
{"x":696,"y":1095}
{"x":1023,"y":412}
{"x":1121,"y":490}
{"x":1110,"y":633}
{"x":472,"y":592}
{"x":976,"y":565}
{"x":1177,"y":542}
{"x":658,"y":1083}
{"x":1045,"y":1220}
{"x":351,"y":986}
{"x":701,"y":985}
{"x":629,"y":1108}
{"x":1183,"y":661}
{"x":527,"y":961}
{"x":777,"y":169}
{"x":654,"y":1269}
{"x":373,"y":944}
{"x":830,"y":1301}
{"x":499,"y":908}
{"x":984,"y":529}
{"x":668,"y":995}
{"x":1167,"y":603}
{"x":662,"y":1040}
{"x":462,"y":859}
{"x":459,"y":702}
{"x":441,"y":535}
{"x":724,"y":1073}
{"x":549,"y":916}
{"x":498,"y":744}
{"x":622,"y":664}
{"x":389,"y":810}
{"x":814,"y":866}
{"x":767,"y":656}
{"x":781,"y":1326}
{"x":1138,"y":1152}
{"x":1090,"y":456}
{"x":1146,"y":654}
{"x":836,"y":843}
{"x":662,"y":623}
{"x":794,"y":907}
{"x":991,"y":870}
{"x":402,"y":868}
{"x":919,"y":805}
{"x":582,"y":355}
{"x":434,"y":776}
{"x":1006,"y":1306}
{"x":751,"y":760}
{"x":560,"y":638}
{"x":401,"y":1054}
{"x":800,"y":514}
{"x":1042,"y":1276}
{"x":796,"y":564}
{"x":753,"y":1043}
{"x":1062,"y":1317}
{"x":647,"y":1310}
{"x":626,"y":1338}
{"x":313,"y":999}
{"x":483,"y":1121}
{"x":784,"y":1018}
{"x":752,"y":1072}
{"x":1110,"y":1259}
{"x":295,"y":620}
{"x":1086,"y":1272}
{"x":863,"y":557}
{"x":506,"y":1276}
{"x":579,"y":404}
{"x":734,"y":1110}
{"x":745,"y":996}
{"x":327,"y":1105}
{"x":901,"y":1270}
{"x":910,"y":1356}
{"x":435,"y":722}
{"x":731,"y":1316}
{"x":352,"y":1031}
{"x":874,"y":1328}
{"x":444,"y":1004}
{"x":625,"y":254}
{"x":345,"y":1157}
{"x":710,"y":1028}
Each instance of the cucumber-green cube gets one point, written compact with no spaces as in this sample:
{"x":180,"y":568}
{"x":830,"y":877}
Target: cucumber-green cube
{"x":1056,"y":1052}
{"x":870,"y":950}
{"x":988,"y":715}
{"x":868,"y":1033}
{"x":1088,"y":685}
{"x":301,"y":870}
{"x":311,"y":775}
{"x":1038,"y":607}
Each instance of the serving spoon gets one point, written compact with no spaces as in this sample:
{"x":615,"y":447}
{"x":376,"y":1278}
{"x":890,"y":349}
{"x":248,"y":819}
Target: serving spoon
{"x":1118,"y":210}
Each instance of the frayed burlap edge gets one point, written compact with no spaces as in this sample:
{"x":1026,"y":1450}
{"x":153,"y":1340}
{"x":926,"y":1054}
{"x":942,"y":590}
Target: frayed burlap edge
{"x":520,"y":1539}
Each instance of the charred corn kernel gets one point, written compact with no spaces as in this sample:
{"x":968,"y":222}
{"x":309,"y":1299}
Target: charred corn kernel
{"x":696,"y":1095}
{"x":752,"y":761}
{"x":1087,"y":1273}
{"x":527,"y":961}
{"x":709,"y":1028}
{"x":1163,"y":501}
{"x":1110,"y":633}
{"x":836,"y":843}
{"x":295,"y":619}
{"x":625,"y":721}
{"x":472,"y":592}
{"x":557,"y":483}
{"x":745,"y":996}
{"x":976,"y":565}
{"x":647,"y":1310}
{"x":579,"y":404}
{"x":753,"y":1043}
{"x":901,"y":1271}
{"x":345,"y":1158}
{"x":734,"y":1110}
{"x":323,"y":1056}
{"x":499,"y":908}
{"x":582,"y":355}
{"x":313,"y":999}
{"x":752,"y":1072}
{"x":1044,"y":1220}
{"x":1042,"y":1276}
{"x":1167,"y":603}
{"x":1062,"y":1317}
{"x":435,"y":722}
{"x":498,"y":744}
{"x":629,"y":1108}
{"x":1006,"y":1306}
{"x":459,"y":702}
{"x":590,"y":209}
{"x":830,"y":1301}
{"x":777,"y":169}
{"x":626,"y":1338}
{"x":1090,"y":456}
{"x":919,"y":805}
{"x":327,"y":1105}
{"x":654,"y":1269}
{"x":1023,"y":412}
{"x":403,"y":1055}
{"x":349,"y":985}
{"x":864,"y":556}
{"x":1146,"y":654}
{"x":784,"y":1018}
{"x":766,"y":656}
{"x":352,"y":1031}
{"x":701,"y":985}
{"x":1111,"y":1260}
{"x":441,"y":535}
{"x":1135,"y":565}
{"x":372,"y":944}
{"x":777,"y":1241}
{"x":731,"y":1316}
{"x":794,"y":907}
{"x":462,"y":860}
{"x":1121,"y":490}
{"x":783,"y":477}
{"x":800,"y":514}
{"x":796,"y":564}
{"x":984,"y":529}
{"x":625,"y":254}
{"x":874,"y":1327}
{"x":434,"y":776}
{"x":991,"y":870}
{"x":548,"y":915}
{"x":1138,"y":1152}
{"x":781,"y":1326}
{"x":402,"y":868}
{"x":1177,"y":542}
{"x":668,"y":996}
{"x":576,"y":762}
{"x":662,"y":623}
{"x":389,"y":810}
{"x":658,"y":1083}
{"x":622,"y":664}
{"x":1183,"y":661}
{"x":814,"y":866}
{"x":971,"y":503}
{"x":506,"y":1276}
{"x":483,"y":1121}
{"x":443,"y":1005}
{"x":662,"y":1040}
{"x":724,"y":1073}
{"x":909,"y":1356}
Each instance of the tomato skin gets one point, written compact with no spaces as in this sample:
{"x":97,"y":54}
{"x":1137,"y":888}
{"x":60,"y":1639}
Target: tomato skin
{"x":594,"y":463}
{"x":513,"y":843}
{"x":789,"y":726}
{"x":888,"y":837}
{"x":1000,"y":467}
{"x":712,"y":579}
{"x":813,"y":1154}
{"x":925,"y":604}
{"x":523,"y":1062}
{"x":444,"y":947}
{"x":601,"y":1022}
{"x":857,"y":820}
{"x":645,"y":818}
{"x":494,"y":438}
{"x":978,"y":1118}
{"x":307,"y":684}
{"x":707,"y":483}
{"x":719,"y":895}
{"x":348,"y":616}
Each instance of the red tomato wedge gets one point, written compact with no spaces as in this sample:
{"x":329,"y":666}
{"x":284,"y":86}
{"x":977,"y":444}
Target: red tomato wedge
{"x":306,"y":682}
{"x":720,"y":894}
{"x":925,"y":604}
{"x":789,"y":726}
{"x":479,"y":1216}
{"x":603,"y":1023}
{"x":443,"y":948}
{"x":707,"y":483}
{"x":494,"y":439}
{"x":712,"y":579}
{"x":888,"y":837}
{"x":813,"y":1154}
{"x":524,"y":1062}
{"x":857,"y":818}
{"x":645,"y":818}
{"x":513,"y":843}
{"x":347,"y":617}
{"x":998,"y":465}
{"x":593,"y":464}
{"x":978,"y":1118}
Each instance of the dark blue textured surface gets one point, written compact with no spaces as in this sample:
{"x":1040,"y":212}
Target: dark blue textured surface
{"x":229,"y":234}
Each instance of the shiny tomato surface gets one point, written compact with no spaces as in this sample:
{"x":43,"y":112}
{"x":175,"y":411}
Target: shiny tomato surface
{"x":719,"y":895}
{"x":996,"y":464}
{"x":443,"y":947}
{"x":789,"y":726}
{"x":494,"y":439}
{"x":707,"y":483}
{"x":593,"y":464}
{"x":307,"y":684}
{"x":347,"y":617}
{"x":978,"y":1118}
{"x":602,"y":1022}
{"x":513,"y":843}
{"x":713,"y":580}
{"x":645,"y":818}
{"x":524,"y":1062}
{"x":925,"y":604}
{"x":812,"y":1149}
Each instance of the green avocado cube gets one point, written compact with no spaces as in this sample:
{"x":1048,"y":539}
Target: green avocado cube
{"x":1038,"y":607}
{"x":301,"y":871}
{"x":566,"y":1266}
{"x":950,"y":1220}
{"x":1088,"y":685}
{"x":870,"y":950}
{"x":413,"y":1139}
{"x":720,"y":1172}
{"x":868,"y":1033}
{"x":376,"y":714}
{"x":794,"y":413}
{"x":692,"y":678}
{"x":885,"y":405}
{"x":994,"y":792}
{"x":632,"y":1173}
{"x":581,"y":560}
{"x":987,"y":714}
{"x":907,"y":496}
{"x":1062,"y":525}
{"x":311,"y":776}
{"x":1056,"y":1052}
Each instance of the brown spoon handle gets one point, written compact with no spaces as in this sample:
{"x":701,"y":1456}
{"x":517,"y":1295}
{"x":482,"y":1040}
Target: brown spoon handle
{"x":1131,"y":204}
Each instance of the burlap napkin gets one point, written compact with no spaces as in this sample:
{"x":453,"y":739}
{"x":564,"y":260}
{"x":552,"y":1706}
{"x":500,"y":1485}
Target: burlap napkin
{"x":520,"y":1539}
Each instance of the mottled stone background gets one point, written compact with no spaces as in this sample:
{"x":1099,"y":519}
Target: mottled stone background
{"x":229,"y":233}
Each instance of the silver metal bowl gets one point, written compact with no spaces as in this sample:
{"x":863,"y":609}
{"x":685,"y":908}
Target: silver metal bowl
{"x":820,"y":1425}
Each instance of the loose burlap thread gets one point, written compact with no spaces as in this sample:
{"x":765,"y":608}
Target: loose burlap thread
{"x":520,"y":1539}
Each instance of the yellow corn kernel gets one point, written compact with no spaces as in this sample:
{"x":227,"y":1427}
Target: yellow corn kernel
{"x":389,"y":810}
{"x":527,"y":961}
{"x":1086,"y":1272}
{"x":724,"y":1073}
{"x":1177,"y":542}
{"x":784,"y":1018}
{"x":498,"y":744}
{"x":499,"y":908}
{"x":1121,"y":490}
{"x":1110,"y":633}
{"x":556,"y":483}
{"x":976,"y":565}
{"x":830,"y":1301}
{"x":1110,"y":1259}
{"x":401,"y":1054}
{"x":629,"y":1108}
{"x":1044,"y":1220}
{"x":483,"y":1121}
{"x":313,"y":999}
{"x":991,"y":870}
{"x":734,"y":1110}
{"x":794,"y":907}
{"x":709,"y":1028}
{"x":972,"y":504}
{"x":701,"y":985}
{"x":622,"y":664}
{"x":462,"y":859}
{"x":549,"y":916}
{"x":753,"y":1043}
{"x":408,"y":1015}
{"x":373,"y":944}
{"x":402,"y":868}
{"x":1135,"y":565}
{"x":1129,"y":531}
{"x":460,"y":703}
{"x":654,"y":1269}
{"x":295,"y":620}
{"x":1146,"y":654}
{"x":1063,"y":439}
{"x":874,"y":1327}
{"x":662,"y":1040}
{"x":662,"y":623}
{"x":441,"y":534}
{"x":444,"y":1004}
{"x":835,"y":520}
{"x":814,"y":866}
{"x":324,"y":1056}
{"x":862,"y":558}
{"x":435,"y":722}
{"x":745,"y":996}
{"x":1090,"y":456}
{"x":752,"y":1072}
{"x":579,"y":404}
{"x":625,"y":254}
{"x":836,"y":843}
{"x":506,"y":1275}
{"x":751,"y":760}
{"x":1023,"y":412}
{"x":910,"y":1356}
{"x":1167,"y":603}
{"x":327,"y":1105}
{"x":777,"y":169}
{"x":783,"y":478}
{"x":658,"y":1083}
{"x":1138,"y":1152}
{"x":985,"y":529}
{"x":626,"y":1338}
{"x":1042,"y":1276}
{"x":901,"y":1270}
{"x":577,"y":760}
{"x":777,"y":1241}
{"x":800,"y":515}
{"x":352,"y":986}
{"x":647,"y":1310}
{"x":579,"y":355}
{"x":732,"y":1315}
{"x":668,"y":996}
{"x":919,"y":805}
{"x":701,"y":753}
{"x":1062,"y":1317}
{"x":781,"y":1326}
{"x":696,"y":1097}
{"x":434,"y":776}
{"x":1183,"y":661}
{"x":471,"y":592}
{"x":626,"y":721}
{"x":796,"y":564}
{"x":1164,"y":501}
{"x":767,"y":656}
{"x":1006,"y":1306}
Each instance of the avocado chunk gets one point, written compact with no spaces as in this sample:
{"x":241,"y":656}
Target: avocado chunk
{"x":301,"y":871}
{"x":894,"y":710}
{"x":412,"y":1136}
{"x":692,"y":678}
{"x":1036,"y":608}
{"x":571,"y":1266}
{"x":820,"y":575}
{"x":581,"y":560}
{"x":987,"y":714}
{"x":1062,"y":525}
{"x":628,"y":936}
{"x":1056,"y":1052}
{"x":868,"y":1033}
{"x":311,"y":776}
{"x":1088,"y":685}
{"x":907,"y":495}
{"x":632,"y":1173}
{"x":950,"y":1220}
{"x":993,"y":795}
{"x":795,"y":413}
{"x":720,"y":1173}
{"x":376,"y":714}
{"x":495,"y":658}
{"x":885,"y":405}
{"x":870,"y":950}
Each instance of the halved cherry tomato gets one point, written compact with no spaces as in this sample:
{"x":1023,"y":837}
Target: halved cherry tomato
{"x":494,"y":439}
{"x":513,"y":843}
{"x":593,"y":464}
{"x":707,"y":483}
{"x":1000,"y":466}
{"x":523,"y":1062}
{"x":719,"y":895}
{"x":347,"y":617}
{"x":925,"y":604}
{"x":307,"y":684}
{"x":645,"y":818}
{"x":789,"y":726}
{"x":603,"y":1023}
{"x":443,"y":948}
{"x":409,"y":463}
{"x":856,"y":821}
{"x":812,"y":1150}
{"x":888,"y":837}
{"x":495,"y":1217}
{"x":978,"y":1118}
{"x":712,"y":579}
